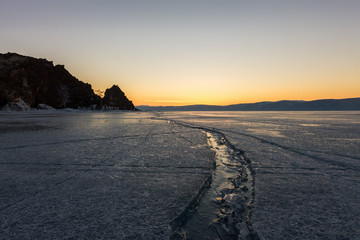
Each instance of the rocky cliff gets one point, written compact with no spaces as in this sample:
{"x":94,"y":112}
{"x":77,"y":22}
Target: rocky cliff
{"x":37,"y":82}
{"x":114,"y":97}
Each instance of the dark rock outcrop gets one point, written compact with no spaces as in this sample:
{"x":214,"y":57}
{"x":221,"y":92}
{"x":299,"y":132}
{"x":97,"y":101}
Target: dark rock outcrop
{"x":38,"y":81}
{"x":116,"y":98}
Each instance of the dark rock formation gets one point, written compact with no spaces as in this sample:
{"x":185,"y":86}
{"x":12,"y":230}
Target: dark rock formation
{"x":116,"y":98}
{"x":38,"y":81}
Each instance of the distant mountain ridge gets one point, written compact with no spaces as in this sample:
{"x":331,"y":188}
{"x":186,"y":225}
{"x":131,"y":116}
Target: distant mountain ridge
{"x":27,"y":82}
{"x":347,"y":104}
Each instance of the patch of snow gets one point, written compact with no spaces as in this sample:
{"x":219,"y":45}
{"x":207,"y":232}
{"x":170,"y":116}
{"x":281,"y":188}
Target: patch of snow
{"x":18,"y":105}
{"x":43,"y":106}
{"x":109,"y":108}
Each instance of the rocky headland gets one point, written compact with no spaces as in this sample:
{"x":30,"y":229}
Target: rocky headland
{"x":27,"y":83}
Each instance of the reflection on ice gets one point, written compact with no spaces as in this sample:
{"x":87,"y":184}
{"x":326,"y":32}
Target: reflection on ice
{"x":129,"y":175}
{"x":266,"y":132}
{"x":345,"y":139}
{"x":310,"y":124}
{"x":223,"y":209}
{"x":96,"y":175}
{"x":306,"y":184}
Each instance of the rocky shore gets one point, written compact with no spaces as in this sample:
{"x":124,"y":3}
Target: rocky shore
{"x":27,"y":83}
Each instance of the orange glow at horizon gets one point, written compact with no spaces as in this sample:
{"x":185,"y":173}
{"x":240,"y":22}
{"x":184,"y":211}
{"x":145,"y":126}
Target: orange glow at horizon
{"x":273,"y":85}
{"x":163,"y":53}
{"x":234,"y":96}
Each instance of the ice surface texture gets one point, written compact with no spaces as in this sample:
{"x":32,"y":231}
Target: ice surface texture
{"x":129,"y":175}
{"x":307,"y":169}
{"x":96,"y":175}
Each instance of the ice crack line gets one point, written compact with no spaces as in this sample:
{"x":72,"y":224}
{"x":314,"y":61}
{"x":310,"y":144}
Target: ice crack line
{"x":71,"y":141}
{"x":228,"y":193}
{"x":335,"y":163}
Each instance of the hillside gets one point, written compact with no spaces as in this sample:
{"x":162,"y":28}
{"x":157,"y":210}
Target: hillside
{"x":348,"y":104}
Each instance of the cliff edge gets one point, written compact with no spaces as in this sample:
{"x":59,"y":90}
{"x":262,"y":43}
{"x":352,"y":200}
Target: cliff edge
{"x":37,"y":82}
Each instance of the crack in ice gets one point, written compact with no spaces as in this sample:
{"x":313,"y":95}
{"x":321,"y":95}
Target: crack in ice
{"x":223,"y":205}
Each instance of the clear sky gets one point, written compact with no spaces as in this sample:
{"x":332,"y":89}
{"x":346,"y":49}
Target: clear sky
{"x":195,"y":51}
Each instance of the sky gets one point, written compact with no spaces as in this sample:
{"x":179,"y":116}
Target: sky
{"x":195,"y":51}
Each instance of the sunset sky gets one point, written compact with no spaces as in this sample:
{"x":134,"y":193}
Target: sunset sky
{"x":195,"y":51}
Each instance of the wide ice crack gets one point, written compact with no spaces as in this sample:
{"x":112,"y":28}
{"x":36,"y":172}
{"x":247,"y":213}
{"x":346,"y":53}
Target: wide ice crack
{"x":223,"y":206}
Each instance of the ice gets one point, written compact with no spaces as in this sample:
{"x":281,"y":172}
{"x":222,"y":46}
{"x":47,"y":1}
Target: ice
{"x":307,"y":175}
{"x":96,"y":175}
{"x":125,"y":175}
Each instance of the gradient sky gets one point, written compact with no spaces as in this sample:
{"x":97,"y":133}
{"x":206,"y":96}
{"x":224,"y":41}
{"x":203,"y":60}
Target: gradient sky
{"x":195,"y":51}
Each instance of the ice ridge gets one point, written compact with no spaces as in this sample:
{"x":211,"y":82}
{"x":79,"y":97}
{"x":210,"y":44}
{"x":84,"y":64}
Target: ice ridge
{"x":222,"y":208}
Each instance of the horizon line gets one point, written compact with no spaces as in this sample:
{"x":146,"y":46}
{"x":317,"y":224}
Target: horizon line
{"x":200,"y":104}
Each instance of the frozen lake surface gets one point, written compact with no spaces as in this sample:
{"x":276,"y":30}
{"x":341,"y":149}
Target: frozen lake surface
{"x":279,"y":175}
{"x":96,"y":175}
{"x":307,"y":169}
